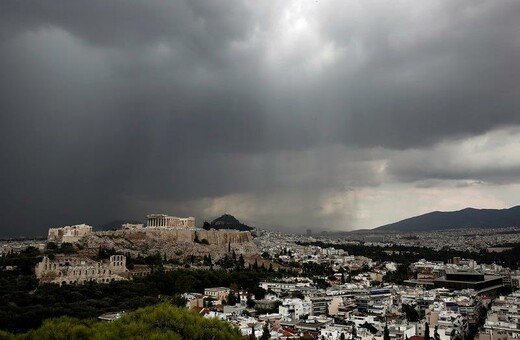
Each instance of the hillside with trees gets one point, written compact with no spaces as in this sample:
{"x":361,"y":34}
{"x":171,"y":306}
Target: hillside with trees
{"x":163,"y":321}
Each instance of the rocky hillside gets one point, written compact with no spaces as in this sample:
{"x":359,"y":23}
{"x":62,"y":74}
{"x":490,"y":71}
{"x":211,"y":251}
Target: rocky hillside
{"x":171,"y":243}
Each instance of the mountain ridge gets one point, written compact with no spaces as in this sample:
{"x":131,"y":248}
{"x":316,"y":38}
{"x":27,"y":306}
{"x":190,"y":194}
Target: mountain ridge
{"x":459,"y":219}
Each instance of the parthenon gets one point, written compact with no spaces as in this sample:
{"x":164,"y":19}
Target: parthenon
{"x":165,"y":221}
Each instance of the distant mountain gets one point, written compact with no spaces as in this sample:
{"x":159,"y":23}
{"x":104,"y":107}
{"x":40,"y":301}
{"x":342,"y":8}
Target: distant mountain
{"x":465,"y":218}
{"x":229,"y":222}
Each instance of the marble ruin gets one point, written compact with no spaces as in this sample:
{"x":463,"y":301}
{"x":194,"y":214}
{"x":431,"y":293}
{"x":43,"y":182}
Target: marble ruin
{"x":79,"y":270}
{"x":68,"y":234}
{"x":165,"y":221}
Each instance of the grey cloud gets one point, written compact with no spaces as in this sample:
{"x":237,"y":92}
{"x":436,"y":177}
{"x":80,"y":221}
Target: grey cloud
{"x":179,"y":101}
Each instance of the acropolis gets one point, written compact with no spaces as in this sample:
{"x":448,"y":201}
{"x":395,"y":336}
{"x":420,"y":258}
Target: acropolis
{"x":68,"y":234}
{"x":165,"y":221}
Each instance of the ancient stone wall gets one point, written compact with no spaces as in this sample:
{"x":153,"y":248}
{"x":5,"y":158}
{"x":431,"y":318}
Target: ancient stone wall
{"x":224,"y":236}
{"x":68,"y":234}
{"x":75,"y":270}
{"x":215,"y":237}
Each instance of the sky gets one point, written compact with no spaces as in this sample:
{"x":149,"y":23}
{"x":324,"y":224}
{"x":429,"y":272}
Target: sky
{"x":289,"y":115}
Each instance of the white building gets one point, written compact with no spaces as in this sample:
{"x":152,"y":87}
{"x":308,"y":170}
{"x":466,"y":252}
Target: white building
{"x":165,"y":221}
{"x":294,"y":309}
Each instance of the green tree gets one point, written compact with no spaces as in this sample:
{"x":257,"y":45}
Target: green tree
{"x":426,"y":331}
{"x":386,"y":333}
{"x":436,"y":335}
{"x":162,"y":321}
{"x":252,"y":336}
{"x":266,"y":334}
{"x":232,"y":299}
{"x":411,"y":313}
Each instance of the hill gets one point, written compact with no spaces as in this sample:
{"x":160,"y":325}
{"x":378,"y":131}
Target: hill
{"x":227,"y":221}
{"x":465,"y":218}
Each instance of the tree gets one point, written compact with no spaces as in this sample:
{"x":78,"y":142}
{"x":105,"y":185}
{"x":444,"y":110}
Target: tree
{"x":386,"y":333}
{"x":426,"y":331}
{"x":411,"y":313}
{"x":252,"y":336}
{"x":250,"y":303}
{"x":266,"y":335}
{"x":232,"y":299}
{"x":241,"y":262}
{"x":162,"y":321}
{"x":436,"y":335}
{"x":206,"y":225}
{"x":52,"y":246}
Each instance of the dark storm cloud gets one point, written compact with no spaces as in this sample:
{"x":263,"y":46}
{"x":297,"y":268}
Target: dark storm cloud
{"x":106,"y":102}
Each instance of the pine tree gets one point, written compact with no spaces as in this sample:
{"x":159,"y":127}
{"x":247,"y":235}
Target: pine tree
{"x":232,"y":299}
{"x":252,"y":336}
{"x":426,"y":331}
{"x":266,"y":335}
{"x":386,"y":333}
{"x":241,"y":262}
{"x":436,"y":335}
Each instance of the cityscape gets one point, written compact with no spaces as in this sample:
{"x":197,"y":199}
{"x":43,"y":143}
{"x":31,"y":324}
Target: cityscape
{"x":265,"y":284}
{"x":255,"y":170}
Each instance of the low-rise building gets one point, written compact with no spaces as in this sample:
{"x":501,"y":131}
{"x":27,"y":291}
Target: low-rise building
{"x":218,"y":293}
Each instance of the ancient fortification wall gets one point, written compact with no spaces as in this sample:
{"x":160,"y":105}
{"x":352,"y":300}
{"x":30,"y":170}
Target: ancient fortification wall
{"x":214,"y":237}
{"x":69,"y":234}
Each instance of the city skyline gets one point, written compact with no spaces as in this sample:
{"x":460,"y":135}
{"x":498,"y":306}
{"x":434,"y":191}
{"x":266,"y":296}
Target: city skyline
{"x":294,"y":115}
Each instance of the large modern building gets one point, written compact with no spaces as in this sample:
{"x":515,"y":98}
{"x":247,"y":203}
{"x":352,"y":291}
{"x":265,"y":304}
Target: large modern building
{"x":459,"y":280}
{"x":165,"y":221}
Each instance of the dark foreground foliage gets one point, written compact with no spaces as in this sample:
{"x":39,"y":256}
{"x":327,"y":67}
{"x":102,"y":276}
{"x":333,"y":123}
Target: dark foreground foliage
{"x":25,"y":305}
{"x":163,"y":321}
